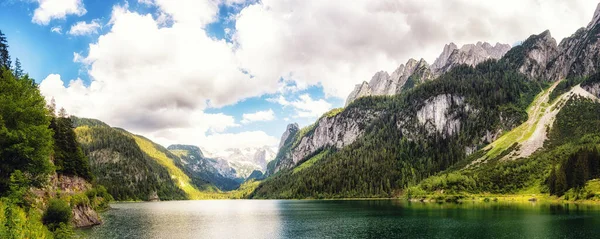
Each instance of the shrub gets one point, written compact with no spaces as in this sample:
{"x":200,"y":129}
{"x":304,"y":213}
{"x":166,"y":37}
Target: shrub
{"x":58,"y":212}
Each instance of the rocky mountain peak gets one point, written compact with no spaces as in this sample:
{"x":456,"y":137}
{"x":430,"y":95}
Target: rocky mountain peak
{"x":443,"y":58}
{"x":534,"y":55}
{"x":470,"y":54}
{"x":360,"y":90}
{"x":290,"y":130}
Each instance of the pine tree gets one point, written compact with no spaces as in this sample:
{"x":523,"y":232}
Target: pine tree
{"x":18,"y":70}
{"x":4,"y":55}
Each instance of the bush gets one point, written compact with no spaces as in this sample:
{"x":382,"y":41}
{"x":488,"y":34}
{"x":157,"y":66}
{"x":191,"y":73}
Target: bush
{"x":58,"y":212}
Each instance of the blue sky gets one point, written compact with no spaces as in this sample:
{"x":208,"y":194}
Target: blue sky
{"x":234,"y":73}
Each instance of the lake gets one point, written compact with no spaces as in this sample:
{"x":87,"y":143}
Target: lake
{"x":345,"y":219}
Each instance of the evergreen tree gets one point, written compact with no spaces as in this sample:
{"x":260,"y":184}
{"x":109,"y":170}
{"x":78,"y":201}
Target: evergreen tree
{"x":25,"y":139}
{"x":68,"y":155}
{"x":18,"y":70}
{"x":4,"y":56}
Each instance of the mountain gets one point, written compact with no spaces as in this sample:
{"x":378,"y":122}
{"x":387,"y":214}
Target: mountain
{"x":245,"y":160}
{"x":509,"y":122}
{"x":217,"y":172}
{"x":415,"y":72}
{"x":470,"y":54}
{"x":132,"y":167}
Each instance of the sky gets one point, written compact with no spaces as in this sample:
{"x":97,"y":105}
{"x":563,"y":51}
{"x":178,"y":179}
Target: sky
{"x":233,"y":73}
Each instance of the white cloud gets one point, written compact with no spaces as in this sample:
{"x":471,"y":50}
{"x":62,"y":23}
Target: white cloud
{"x":56,"y":9}
{"x":305,"y":106}
{"x":82,"y":28}
{"x":193,"y":12}
{"x":157,"y":79}
{"x":56,"y":29}
{"x":337,"y":43}
{"x":266,"y":115}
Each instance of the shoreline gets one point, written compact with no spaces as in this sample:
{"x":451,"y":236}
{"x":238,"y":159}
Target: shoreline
{"x":451,"y":199}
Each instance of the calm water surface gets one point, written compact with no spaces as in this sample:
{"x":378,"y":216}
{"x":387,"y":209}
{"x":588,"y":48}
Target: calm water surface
{"x":345,"y":219}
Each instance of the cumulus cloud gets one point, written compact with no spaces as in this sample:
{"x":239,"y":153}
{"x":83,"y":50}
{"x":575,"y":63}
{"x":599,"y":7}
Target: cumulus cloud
{"x":82,"y":28}
{"x":157,"y":81}
{"x":57,"y":9}
{"x":338,"y":44}
{"x":266,"y":115}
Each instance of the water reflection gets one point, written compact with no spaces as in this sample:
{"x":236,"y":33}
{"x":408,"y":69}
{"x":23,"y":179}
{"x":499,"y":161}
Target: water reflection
{"x":346,"y":219}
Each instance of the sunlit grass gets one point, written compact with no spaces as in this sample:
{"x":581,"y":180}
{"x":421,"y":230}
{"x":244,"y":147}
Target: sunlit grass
{"x":310,"y":162}
{"x":180,"y":179}
{"x":535,"y":111}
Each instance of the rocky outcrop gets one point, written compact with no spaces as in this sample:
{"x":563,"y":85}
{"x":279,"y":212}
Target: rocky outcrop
{"x":414,"y":72}
{"x":338,"y":131}
{"x":360,"y":90}
{"x":535,"y":55}
{"x":579,"y":54}
{"x":382,"y":83}
{"x":470,"y":54}
{"x":282,"y":159}
{"x":85,"y":216}
{"x":436,"y":114}
{"x":290,"y":131}
{"x":593,"y":89}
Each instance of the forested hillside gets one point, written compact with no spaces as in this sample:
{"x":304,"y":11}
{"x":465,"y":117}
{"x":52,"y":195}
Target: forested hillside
{"x":121,"y":166}
{"x":39,"y":159}
{"x":398,"y":150}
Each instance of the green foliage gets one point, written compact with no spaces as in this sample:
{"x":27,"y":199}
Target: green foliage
{"x":577,"y":118}
{"x":68,"y":156}
{"x":120,"y":165}
{"x":450,"y":183}
{"x":568,"y":160}
{"x":15,"y":222}
{"x":99,"y":198}
{"x":25,"y":139}
{"x":58,"y":212}
{"x":574,"y":171}
{"x":64,"y":231}
{"x":5,"y":63}
{"x":564,"y":86}
{"x":385,"y":160}
{"x":333,"y":112}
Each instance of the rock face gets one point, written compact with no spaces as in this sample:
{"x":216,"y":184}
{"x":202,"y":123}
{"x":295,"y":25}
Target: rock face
{"x":85,"y":216}
{"x":282,"y":159}
{"x":382,"y":83}
{"x":415,"y":72}
{"x":338,"y":131}
{"x":470,"y":54}
{"x":329,"y":132}
{"x":436,"y":114}
{"x":290,"y":131}
{"x":594,"y":89}
{"x":578,"y":55}
{"x":360,"y":90}
{"x":535,"y":55}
